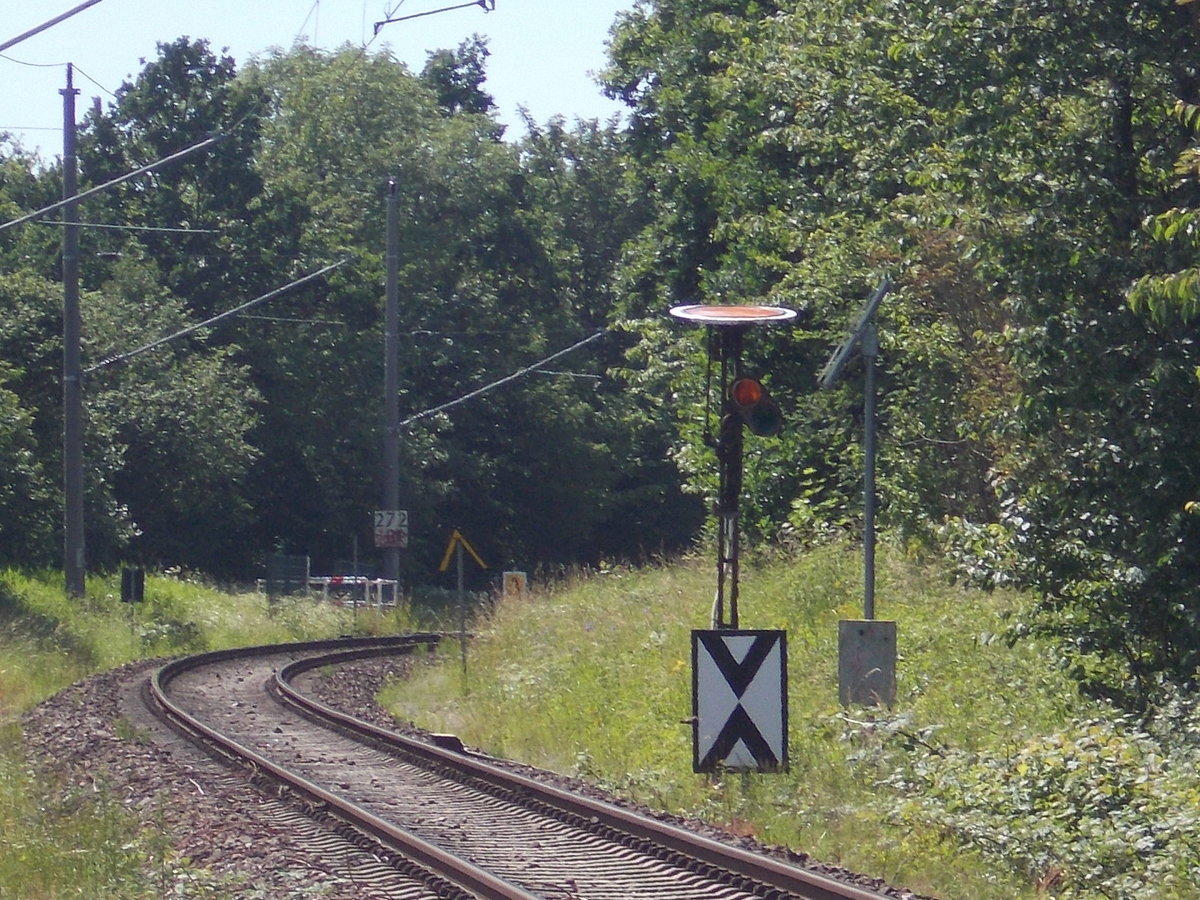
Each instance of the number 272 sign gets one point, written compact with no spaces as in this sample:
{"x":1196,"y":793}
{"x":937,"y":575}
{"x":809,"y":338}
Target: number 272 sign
{"x":391,"y":528}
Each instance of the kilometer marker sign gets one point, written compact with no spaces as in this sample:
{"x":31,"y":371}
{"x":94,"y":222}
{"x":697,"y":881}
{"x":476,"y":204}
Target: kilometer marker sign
{"x":391,"y":528}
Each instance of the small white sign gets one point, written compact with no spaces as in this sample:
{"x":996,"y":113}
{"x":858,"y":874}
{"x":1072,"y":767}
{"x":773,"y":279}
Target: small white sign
{"x":391,"y":528}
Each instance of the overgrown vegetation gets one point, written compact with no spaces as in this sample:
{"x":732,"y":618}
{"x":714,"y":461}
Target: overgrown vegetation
{"x":56,"y":839}
{"x":1026,"y":173}
{"x":990,"y":778}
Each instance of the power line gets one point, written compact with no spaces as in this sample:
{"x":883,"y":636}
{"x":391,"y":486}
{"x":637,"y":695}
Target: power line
{"x":294,"y":321}
{"x":520,"y":373}
{"x":556,"y":373}
{"x":270,"y":295}
{"x":186,"y":151}
{"x":55,"y":65}
{"x":133,"y":227}
{"x":38,"y":29}
{"x":314,"y":9}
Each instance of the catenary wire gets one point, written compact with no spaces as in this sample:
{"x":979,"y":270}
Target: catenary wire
{"x":156,"y":228}
{"x":270,"y":295}
{"x":207,"y":142}
{"x":520,"y":373}
{"x":50,"y":23}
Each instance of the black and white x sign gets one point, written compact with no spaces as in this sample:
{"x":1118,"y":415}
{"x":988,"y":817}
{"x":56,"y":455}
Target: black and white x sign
{"x":739,"y":700}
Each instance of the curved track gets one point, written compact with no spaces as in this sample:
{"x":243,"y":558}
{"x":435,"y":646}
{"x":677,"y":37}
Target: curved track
{"x":455,"y":825}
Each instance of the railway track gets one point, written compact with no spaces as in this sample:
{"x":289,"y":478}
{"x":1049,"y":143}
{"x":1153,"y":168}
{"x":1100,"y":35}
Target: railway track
{"x":449,"y":824}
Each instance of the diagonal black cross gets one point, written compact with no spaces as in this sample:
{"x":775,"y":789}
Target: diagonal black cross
{"x":739,"y":727}
{"x":738,"y":675}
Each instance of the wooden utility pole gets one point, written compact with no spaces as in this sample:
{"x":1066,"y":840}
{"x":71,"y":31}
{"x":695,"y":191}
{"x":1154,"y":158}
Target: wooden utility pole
{"x":74,"y":564}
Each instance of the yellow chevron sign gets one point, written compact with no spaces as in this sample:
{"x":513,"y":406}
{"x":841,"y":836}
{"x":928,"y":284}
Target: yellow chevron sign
{"x":457,"y":540}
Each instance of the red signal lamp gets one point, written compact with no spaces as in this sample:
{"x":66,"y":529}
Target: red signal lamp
{"x":752,"y":402}
{"x":747,"y":392}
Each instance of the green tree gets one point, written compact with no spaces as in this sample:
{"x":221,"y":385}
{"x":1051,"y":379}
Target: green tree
{"x":262,"y":432}
{"x":1175,"y":296}
{"x":579,"y":188}
{"x":25,"y":185}
{"x":197,"y":215}
{"x":31,"y":348}
{"x":457,"y":78}
{"x":784,"y":150}
{"x":996,"y":159}
{"x":174,"y":422}
{"x":1092,"y":487}
{"x":27,"y":496}
{"x":503,"y":253}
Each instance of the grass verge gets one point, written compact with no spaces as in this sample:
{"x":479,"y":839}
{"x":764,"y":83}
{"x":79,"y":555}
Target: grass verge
{"x":59,"y":841}
{"x":940,"y":794}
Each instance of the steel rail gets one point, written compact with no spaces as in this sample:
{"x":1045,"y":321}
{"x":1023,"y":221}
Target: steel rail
{"x":761,"y":869}
{"x":467,"y":877}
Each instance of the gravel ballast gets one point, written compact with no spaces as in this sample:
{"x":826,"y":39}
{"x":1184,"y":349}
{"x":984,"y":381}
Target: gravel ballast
{"x":213,"y":833}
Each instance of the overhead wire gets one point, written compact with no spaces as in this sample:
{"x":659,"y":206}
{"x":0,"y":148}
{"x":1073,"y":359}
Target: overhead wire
{"x":28,"y":64}
{"x":292,"y":320}
{"x":315,"y":8}
{"x":53,"y":65}
{"x":38,"y":29}
{"x":270,"y":295}
{"x":520,"y":373}
{"x":82,"y":195}
{"x":142,"y":170}
{"x":56,"y":65}
{"x":556,"y":372}
{"x":155,"y":228}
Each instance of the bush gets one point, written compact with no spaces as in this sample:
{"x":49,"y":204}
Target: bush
{"x":1101,"y":809}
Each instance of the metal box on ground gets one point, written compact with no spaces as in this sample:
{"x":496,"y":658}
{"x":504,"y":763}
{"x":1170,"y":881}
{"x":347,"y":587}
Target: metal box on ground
{"x":866,"y":662}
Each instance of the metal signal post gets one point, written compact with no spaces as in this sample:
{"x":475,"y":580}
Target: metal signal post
{"x":744,"y":401}
{"x":739,"y":678}
{"x":867,"y":647}
{"x":864,"y":336}
{"x":729,"y":446}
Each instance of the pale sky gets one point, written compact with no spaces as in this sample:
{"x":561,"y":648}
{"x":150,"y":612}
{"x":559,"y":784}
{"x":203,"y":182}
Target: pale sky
{"x":542,"y":51}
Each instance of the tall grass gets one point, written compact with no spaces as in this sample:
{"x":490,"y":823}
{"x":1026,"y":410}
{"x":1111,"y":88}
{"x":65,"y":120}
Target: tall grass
{"x":592,"y":678}
{"x":56,"y":841}
{"x":59,"y":841}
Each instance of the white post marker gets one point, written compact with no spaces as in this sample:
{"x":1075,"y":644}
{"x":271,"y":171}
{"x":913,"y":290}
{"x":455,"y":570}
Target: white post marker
{"x":513,"y":584}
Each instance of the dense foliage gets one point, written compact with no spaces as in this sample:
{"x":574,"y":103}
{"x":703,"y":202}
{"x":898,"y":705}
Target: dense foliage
{"x":1025,"y":173}
{"x":998,"y":160}
{"x":261,"y":433}
{"x":991,"y":779}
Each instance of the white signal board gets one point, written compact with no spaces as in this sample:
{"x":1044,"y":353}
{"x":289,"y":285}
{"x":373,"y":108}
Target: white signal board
{"x":739,"y":701}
